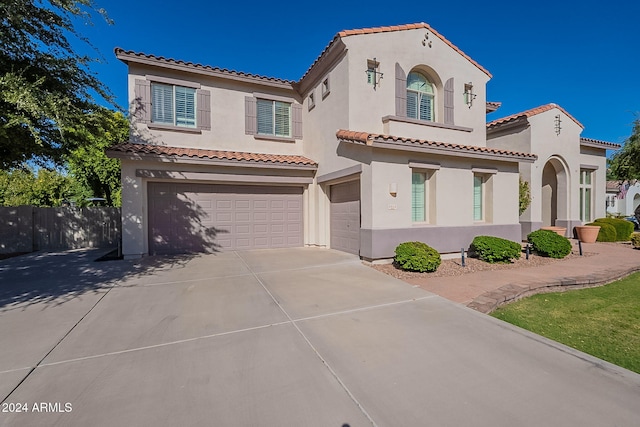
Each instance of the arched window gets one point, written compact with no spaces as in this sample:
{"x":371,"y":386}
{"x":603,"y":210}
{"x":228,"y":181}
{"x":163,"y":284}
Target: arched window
{"x":420,"y":97}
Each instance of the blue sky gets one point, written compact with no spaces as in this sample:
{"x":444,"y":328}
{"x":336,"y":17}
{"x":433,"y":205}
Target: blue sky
{"x":582,"y":55}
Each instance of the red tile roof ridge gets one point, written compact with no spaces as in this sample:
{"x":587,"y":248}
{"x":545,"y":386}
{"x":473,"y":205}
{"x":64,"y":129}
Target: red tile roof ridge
{"x":388,"y":29}
{"x":613,"y":145}
{"x":532,"y":112}
{"x":366,"y":138}
{"x":131,"y":147}
{"x":120,"y":51}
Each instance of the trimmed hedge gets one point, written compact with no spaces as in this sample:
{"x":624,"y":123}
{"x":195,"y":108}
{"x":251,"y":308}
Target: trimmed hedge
{"x":494,"y":249}
{"x":549,"y":243}
{"x":607,"y":232}
{"x":623,"y":227}
{"x":635,"y":240}
{"x":417,"y":256}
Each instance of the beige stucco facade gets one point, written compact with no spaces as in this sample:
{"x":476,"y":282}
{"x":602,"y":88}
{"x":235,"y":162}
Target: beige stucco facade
{"x":555,"y":178}
{"x":351,"y":125}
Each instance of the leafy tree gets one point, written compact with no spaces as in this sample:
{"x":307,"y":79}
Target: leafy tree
{"x":524,"y":196}
{"x":41,"y":188}
{"x":45,"y":86}
{"x":625,"y":163}
{"x":97,"y":174}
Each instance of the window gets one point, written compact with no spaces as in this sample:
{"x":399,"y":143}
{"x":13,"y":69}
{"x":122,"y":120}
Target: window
{"x":326,"y":89}
{"x":478,"y":197}
{"x":274,"y":118}
{"x":420,"y":97}
{"x":585,"y":195}
{"x":311,"y":101}
{"x":418,"y":197}
{"x":173,"y":105}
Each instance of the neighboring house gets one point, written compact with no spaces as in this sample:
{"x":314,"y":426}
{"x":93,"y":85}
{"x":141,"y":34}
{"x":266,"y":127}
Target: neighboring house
{"x":623,"y":198}
{"x":373,"y":146}
{"x":568,"y":179}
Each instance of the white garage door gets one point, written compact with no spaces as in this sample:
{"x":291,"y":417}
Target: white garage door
{"x":210,"y":217}
{"x":345,"y":217}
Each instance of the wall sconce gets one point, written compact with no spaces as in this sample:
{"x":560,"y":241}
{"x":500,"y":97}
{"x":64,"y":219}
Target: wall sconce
{"x":393,"y":189}
{"x":373,"y":75}
{"x":469,"y":96}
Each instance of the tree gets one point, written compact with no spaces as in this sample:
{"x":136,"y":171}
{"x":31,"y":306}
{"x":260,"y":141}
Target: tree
{"x":625,"y":163}
{"x":88,"y":164}
{"x":45,"y":86}
{"x":42,"y":188}
{"x":524,"y":196}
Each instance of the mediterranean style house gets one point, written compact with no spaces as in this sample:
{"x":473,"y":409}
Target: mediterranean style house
{"x":623,"y":198}
{"x":375,"y":145}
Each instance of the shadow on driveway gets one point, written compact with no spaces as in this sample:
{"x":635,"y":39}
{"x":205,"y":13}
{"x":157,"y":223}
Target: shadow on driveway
{"x":57,"y":277}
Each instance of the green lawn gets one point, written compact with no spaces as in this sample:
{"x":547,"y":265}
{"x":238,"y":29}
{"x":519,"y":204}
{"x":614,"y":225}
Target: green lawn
{"x":603,"y":322}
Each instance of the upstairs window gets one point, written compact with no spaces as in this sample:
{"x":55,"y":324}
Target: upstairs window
{"x":420,"y":97}
{"x":173,"y":105}
{"x":274,"y":118}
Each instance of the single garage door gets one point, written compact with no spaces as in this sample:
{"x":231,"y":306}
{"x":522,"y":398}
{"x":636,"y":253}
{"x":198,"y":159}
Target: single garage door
{"x":345,"y":217}
{"x":210,"y":217}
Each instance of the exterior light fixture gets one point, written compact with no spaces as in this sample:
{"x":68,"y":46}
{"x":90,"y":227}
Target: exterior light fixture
{"x":373,"y":75}
{"x":469,"y":96}
{"x":393,"y":189}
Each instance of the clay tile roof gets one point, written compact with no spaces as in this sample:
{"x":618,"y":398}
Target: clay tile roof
{"x":125,"y":55}
{"x":162,"y":150}
{"x":597,"y":142}
{"x":369,"y":138}
{"x":393,"y":28}
{"x":492,"y":106}
{"x":530,"y":113}
{"x":613,"y":185}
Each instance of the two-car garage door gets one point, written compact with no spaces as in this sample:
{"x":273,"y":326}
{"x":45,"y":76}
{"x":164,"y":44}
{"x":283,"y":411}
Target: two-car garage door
{"x":212,"y":217}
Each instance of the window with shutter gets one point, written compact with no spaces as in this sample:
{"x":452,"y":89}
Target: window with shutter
{"x":173,"y":105}
{"x":420,"y":97}
{"x":273,"y":118}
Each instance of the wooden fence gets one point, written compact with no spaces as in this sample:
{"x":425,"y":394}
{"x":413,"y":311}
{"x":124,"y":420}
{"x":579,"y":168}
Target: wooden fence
{"x":27,"y":228}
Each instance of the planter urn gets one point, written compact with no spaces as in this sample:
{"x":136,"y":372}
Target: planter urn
{"x":587,"y":233}
{"x":560,"y":230}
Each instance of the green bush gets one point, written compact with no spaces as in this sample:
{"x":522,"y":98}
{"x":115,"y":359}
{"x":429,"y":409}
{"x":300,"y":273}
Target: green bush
{"x":417,"y":256}
{"x":549,"y":243}
{"x":635,"y":240}
{"x":494,"y":249}
{"x":623,"y":227}
{"x":607,"y":232}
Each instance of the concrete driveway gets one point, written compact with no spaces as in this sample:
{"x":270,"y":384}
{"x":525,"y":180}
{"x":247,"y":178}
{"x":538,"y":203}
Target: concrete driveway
{"x":292,"y":337}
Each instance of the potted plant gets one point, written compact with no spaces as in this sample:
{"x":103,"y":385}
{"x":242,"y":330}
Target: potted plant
{"x":587,"y":233}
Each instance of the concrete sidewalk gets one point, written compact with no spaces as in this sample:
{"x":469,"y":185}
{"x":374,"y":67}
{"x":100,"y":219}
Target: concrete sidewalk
{"x":484,"y":291}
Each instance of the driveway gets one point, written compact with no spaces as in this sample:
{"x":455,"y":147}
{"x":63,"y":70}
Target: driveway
{"x":292,"y":337}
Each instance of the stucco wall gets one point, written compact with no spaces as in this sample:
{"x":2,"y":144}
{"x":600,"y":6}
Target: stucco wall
{"x":227,"y":115}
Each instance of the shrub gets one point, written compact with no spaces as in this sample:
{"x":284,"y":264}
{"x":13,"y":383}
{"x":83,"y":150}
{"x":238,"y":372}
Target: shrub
{"x":417,"y":256}
{"x":635,"y":240}
{"x":623,"y":227}
{"x":607,"y":232}
{"x":494,"y":249}
{"x":549,"y":243}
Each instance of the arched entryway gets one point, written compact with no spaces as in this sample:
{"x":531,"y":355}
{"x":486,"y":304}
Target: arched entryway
{"x":554,"y":192}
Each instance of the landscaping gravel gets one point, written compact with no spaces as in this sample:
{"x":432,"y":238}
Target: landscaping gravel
{"x":453,"y":267}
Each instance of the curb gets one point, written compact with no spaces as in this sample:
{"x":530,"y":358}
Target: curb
{"x":489,"y":301}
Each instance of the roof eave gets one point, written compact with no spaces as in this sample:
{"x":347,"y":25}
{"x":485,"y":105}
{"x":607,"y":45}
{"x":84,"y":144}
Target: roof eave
{"x":190,"y":68}
{"x":164,"y":158}
{"x":377,"y":142}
